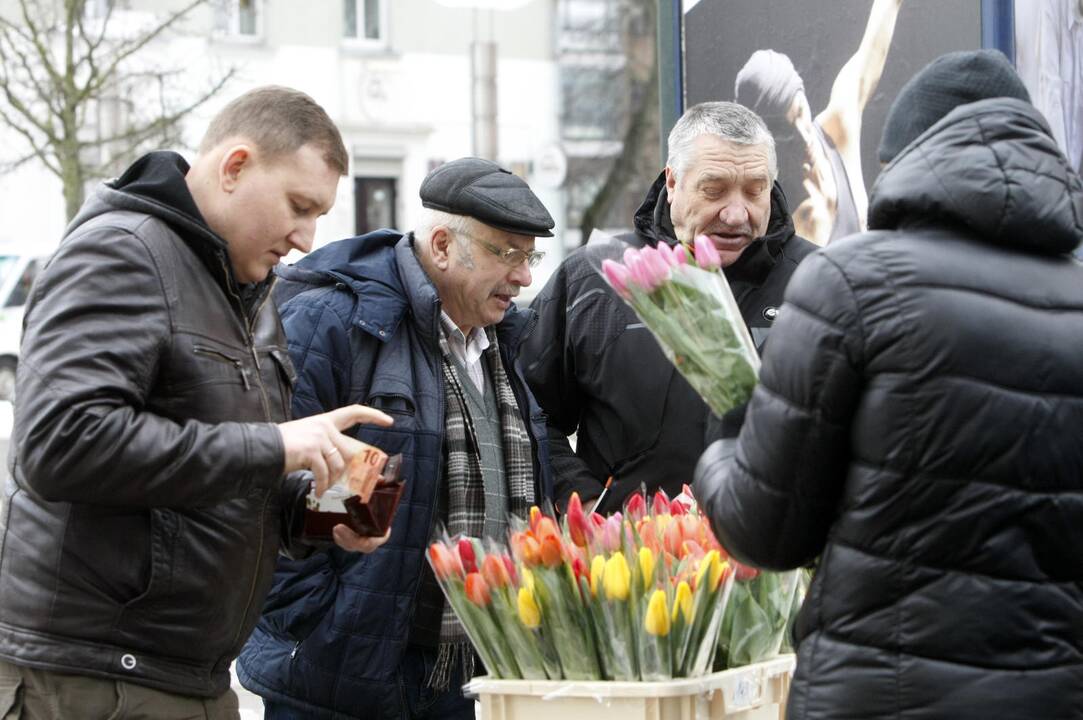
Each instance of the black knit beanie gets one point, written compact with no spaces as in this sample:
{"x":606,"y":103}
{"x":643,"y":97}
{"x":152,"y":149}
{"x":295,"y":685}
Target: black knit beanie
{"x":951,"y":80}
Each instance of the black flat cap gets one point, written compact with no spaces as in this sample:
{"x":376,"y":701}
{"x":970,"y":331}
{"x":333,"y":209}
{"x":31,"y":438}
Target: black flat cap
{"x":486,"y":192}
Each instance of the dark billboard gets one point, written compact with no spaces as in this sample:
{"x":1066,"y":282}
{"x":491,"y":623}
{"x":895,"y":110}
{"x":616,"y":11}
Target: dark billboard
{"x":822,"y":73}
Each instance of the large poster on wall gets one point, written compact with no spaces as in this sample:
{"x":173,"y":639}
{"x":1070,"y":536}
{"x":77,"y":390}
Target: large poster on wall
{"x":822,"y":74}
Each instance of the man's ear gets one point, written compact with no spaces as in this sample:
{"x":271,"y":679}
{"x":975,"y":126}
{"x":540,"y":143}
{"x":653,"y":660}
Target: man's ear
{"x":671,"y":182}
{"x":440,"y":242}
{"x":235,"y":160}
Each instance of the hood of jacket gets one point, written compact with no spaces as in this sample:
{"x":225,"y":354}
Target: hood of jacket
{"x":155,"y":185}
{"x":383,"y":273}
{"x":991,"y":168}
{"x":653,"y":224}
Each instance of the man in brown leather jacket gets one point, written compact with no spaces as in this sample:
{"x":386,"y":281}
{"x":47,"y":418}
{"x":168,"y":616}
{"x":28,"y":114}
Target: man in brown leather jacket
{"x":150,"y":484}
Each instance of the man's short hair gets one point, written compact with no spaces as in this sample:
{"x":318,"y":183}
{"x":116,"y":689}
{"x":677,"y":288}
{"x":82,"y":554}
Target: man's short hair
{"x":279,"y":121}
{"x":726,"y":120}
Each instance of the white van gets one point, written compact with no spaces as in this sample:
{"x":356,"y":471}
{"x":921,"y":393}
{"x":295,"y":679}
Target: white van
{"x":17,"y":273}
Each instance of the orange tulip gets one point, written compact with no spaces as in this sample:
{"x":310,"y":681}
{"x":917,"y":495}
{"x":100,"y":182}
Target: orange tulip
{"x":445,"y":563}
{"x":552,"y":553}
{"x":526,"y":548}
{"x":477,"y":590}
{"x":494,"y":572}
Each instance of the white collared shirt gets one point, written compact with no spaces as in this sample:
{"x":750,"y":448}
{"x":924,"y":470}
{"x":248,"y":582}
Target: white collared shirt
{"x":468,"y":351}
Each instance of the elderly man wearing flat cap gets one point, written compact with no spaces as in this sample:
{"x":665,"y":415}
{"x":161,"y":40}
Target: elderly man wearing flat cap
{"x":422,"y":326}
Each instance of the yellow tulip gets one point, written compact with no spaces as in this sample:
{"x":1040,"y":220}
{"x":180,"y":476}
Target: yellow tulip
{"x":528,"y":609}
{"x":683,"y":602}
{"x":646,"y":566}
{"x":657,"y":621}
{"x":617,"y":577}
{"x":710,"y":569}
{"x":528,"y":580}
{"x":722,"y":568}
{"x":597,"y":571}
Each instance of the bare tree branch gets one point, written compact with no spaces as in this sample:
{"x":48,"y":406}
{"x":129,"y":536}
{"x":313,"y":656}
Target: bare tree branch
{"x":126,"y":50}
{"x":62,"y":74}
{"x":37,"y":150}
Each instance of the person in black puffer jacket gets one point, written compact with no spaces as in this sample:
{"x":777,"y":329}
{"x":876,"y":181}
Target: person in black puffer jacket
{"x":918,"y":424}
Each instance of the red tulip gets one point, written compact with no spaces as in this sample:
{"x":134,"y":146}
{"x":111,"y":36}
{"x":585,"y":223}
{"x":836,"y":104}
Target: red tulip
{"x":636,"y":508}
{"x":445,"y":563}
{"x":466,"y":554}
{"x":676,"y":507}
{"x":477,"y":590}
{"x":578,"y":527}
{"x":597,"y":520}
{"x":660,"y":504}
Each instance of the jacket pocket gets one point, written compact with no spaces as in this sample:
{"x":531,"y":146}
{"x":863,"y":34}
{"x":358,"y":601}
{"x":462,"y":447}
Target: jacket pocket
{"x":303,"y":593}
{"x":227,"y":358}
{"x":396,"y":405}
{"x":163,"y":532}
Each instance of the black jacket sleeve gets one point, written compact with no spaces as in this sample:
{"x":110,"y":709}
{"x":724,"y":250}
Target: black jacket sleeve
{"x":550,"y":370}
{"x":772,"y":498}
{"x":94,"y":335}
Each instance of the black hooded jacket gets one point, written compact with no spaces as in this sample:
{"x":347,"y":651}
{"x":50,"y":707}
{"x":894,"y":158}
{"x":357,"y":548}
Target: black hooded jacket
{"x":596,"y":370}
{"x":146,"y":504}
{"x":919,"y":426}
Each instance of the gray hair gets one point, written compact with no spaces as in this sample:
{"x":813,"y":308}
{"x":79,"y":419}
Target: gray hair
{"x":726,"y":120}
{"x":457,"y":224}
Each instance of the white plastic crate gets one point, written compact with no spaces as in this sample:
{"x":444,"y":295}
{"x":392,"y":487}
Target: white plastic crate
{"x":754,"y":692}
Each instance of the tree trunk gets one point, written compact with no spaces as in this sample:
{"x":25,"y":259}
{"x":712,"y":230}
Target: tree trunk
{"x":624,"y":165}
{"x":640,"y":122}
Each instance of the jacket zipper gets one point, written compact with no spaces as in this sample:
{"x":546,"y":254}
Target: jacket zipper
{"x":223,"y":357}
{"x":267,"y":413}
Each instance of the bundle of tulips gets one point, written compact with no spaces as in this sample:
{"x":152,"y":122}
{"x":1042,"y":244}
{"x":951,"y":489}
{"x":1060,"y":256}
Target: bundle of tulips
{"x":636,"y":595}
{"x":691,"y":311}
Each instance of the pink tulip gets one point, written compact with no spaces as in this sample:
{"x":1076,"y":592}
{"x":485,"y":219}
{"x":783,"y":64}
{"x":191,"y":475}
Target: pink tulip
{"x":656,"y":265}
{"x":640,"y":276}
{"x":680,"y":255}
{"x":617,"y":275}
{"x":611,"y":533}
{"x":667,"y":254}
{"x":707,"y":256}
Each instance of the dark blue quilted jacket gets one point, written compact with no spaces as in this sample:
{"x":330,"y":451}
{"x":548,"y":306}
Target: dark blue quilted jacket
{"x":362,"y":321}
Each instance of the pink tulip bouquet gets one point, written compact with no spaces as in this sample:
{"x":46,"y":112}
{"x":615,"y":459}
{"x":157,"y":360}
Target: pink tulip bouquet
{"x":691,"y":311}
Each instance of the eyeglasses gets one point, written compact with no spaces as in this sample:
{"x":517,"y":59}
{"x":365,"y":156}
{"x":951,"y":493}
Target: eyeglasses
{"x":512,"y":257}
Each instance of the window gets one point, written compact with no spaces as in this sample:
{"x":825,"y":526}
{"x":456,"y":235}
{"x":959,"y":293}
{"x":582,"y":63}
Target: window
{"x":21,"y":291}
{"x":239,"y":18}
{"x":374,"y":203}
{"x":364,"y":21}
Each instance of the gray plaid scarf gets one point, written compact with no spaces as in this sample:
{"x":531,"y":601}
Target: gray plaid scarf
{"x":466,"y":512}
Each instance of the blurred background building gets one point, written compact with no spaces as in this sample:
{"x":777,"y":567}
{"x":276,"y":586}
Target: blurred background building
{"x":552,"y":89}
